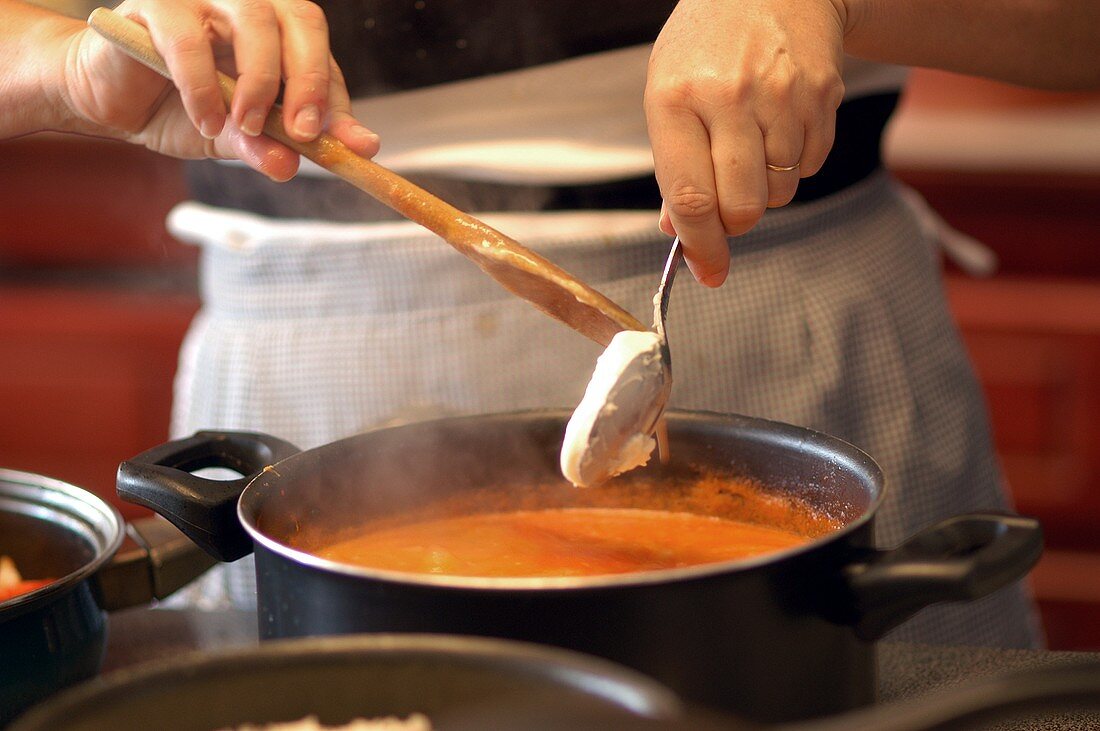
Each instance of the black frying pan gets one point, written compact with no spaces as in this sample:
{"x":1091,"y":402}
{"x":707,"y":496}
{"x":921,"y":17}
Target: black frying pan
{"x":455,"y":681}
{"x":477,"y":684}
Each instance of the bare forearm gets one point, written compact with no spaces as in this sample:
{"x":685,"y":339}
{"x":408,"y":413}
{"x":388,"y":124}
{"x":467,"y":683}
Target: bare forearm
{"x":1043,"y":43}
{"x":32,"y":62}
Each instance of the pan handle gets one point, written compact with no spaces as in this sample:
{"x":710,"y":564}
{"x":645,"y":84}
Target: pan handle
{"x":204,"y":509}
{"x":962,"y":558}
{"x":156,"y":561}
{"x":1030,"y":694}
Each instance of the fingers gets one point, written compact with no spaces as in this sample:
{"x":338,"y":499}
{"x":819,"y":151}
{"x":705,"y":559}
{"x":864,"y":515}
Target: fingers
{"x":783,"y":148}
{"x":685,"y":173}
{"x":279,"y":163}
{"x":181,"y":37}
{"x":738,"y":152}
{"x":256,"y":53}
{"x":272,"y":40}
{"x":820,"y":133}
{"x":706,"y":200}
{"x":275,"y":40}
{"x":262,"y":153}
{"x":342,"y":124}
{"x":306,"y":68}
{"x":273,"y":43}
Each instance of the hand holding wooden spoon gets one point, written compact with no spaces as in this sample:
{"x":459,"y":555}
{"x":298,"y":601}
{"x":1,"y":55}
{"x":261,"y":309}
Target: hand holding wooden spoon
{"x":517,"y":269}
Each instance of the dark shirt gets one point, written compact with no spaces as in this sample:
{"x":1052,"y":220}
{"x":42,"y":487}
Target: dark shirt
{"x":391,"y":45}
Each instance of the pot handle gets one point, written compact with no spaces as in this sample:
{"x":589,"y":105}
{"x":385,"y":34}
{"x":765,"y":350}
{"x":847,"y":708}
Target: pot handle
{"x":156,"y":561}
{"x":964,"y":557}
{"x":204,"y":509}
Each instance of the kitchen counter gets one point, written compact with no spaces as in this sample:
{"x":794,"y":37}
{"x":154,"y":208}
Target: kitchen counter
{"x":905,"y":671}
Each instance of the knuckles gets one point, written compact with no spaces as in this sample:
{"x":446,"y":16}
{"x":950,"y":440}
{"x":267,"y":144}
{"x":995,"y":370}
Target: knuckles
{"x":257,"y":11}
{"x":693,"y":205}
{"x":689,"y":92}
{"x":182,"y":44}
{"x":262,"y":77}
{"x":690,"y":203}
{"x":778,"y":84}
{"x":314,"y":76}
{"x":827,"y":87}
{"x":738,"y":218}
{"x":308,"y":14}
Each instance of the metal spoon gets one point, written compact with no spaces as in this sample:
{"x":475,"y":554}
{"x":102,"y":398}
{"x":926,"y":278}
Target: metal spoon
{"x":611,"y":430}
{"x":660,"y":301}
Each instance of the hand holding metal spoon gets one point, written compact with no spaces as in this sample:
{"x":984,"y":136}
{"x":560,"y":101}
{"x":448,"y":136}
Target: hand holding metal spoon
{"x":611,"y":430}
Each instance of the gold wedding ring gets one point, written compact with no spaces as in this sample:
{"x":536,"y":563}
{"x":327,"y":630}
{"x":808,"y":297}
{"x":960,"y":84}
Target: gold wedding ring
{"x":781,"y":168}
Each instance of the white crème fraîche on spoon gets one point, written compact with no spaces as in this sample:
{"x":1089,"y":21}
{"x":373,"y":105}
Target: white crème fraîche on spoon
{"x":611,"y":430}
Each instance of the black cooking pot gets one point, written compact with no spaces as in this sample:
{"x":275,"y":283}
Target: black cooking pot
{"x":55,"y":636}
{"x":784,"y":636}
{"x":475,"y":684}
{"x":457,"y":682}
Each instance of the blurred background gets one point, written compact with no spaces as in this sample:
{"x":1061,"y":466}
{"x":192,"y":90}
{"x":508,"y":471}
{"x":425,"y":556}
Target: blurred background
{"x":96,"y":297}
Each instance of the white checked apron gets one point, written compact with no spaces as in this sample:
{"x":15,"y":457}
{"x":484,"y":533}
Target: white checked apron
{"x":312,"y":332}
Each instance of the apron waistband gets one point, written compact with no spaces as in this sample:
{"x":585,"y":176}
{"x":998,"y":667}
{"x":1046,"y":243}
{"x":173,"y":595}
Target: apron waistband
{"x":259,"y":268}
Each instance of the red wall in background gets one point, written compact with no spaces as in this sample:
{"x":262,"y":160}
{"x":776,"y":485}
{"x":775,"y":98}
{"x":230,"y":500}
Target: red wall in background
{"x":96,"y":297}
{"x":1033,"y":330}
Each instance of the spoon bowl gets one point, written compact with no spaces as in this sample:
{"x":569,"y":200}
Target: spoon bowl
{"x":611,"y":430}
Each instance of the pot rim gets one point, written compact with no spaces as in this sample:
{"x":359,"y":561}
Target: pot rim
{"x":843,"y":451}
{"x":623,"y":686}
{"x":79,"y":511}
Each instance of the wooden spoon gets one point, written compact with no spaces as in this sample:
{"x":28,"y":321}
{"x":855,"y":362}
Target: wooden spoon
{"x":518,"y":269}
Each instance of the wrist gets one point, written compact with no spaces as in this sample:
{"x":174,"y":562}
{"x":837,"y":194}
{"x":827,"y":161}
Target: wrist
{"x":860,"y":17}
{"x":60,"y":39}
{"x":32,"y":69}
{"x":849,"y":13}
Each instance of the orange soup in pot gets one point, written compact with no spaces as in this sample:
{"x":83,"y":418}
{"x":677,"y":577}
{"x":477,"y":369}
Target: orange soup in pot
{"x":584,"y":541}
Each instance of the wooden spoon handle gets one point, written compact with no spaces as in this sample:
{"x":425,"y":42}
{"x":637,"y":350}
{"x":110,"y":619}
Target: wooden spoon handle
{"x":517,"y":269}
